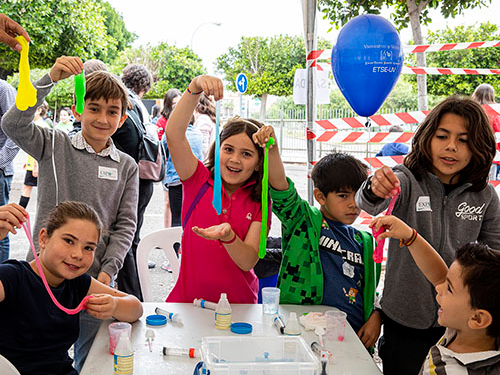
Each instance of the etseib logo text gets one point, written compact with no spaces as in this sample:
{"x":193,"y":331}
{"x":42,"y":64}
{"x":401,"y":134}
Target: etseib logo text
{"x":473,"y":213}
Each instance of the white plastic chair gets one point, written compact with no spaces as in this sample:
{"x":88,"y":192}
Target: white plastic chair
{"x":164,"y":239}
{"x":7,"y":368}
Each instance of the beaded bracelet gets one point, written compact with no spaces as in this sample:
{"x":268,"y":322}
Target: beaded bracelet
{"x":230,"y":241}
{"x":192,"y":93}
{"x":410,"y":241}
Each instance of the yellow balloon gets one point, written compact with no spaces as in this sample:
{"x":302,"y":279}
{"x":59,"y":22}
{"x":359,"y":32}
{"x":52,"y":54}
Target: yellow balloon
{"x":26,"y":93}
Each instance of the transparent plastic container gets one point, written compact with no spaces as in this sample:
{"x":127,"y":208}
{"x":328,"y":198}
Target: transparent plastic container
{"x":277,"y":355}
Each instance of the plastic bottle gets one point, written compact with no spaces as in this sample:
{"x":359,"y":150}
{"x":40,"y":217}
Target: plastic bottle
{"x":124,"y":356}
{"x":181,"y":352}
{"x":174,"y":318}
{"x":205,"y":304}
{"x":223,"y":313}
{"x":292,"y":327}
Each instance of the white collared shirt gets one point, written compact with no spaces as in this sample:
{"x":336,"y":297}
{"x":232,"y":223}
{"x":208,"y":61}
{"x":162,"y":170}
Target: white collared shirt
{"x":78,"y":141}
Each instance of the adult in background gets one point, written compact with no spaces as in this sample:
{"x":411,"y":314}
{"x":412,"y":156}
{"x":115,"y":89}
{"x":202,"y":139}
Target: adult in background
{"x":204,"y":115}
{"x":8,"y":151}
{"x":393,"y":149}
{"x":155,"y":114}
{"x":485,"y":94}
{"x":171,"y":98}
{"x":138,"y":80}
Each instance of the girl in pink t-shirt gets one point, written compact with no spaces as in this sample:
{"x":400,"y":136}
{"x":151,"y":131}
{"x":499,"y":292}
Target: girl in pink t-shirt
{"x":218,"y":251}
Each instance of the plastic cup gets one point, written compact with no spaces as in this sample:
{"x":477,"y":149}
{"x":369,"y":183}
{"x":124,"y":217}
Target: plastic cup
{"x":270,"y":300}
{"x":335,"y":325}
{"x":115,"y":330}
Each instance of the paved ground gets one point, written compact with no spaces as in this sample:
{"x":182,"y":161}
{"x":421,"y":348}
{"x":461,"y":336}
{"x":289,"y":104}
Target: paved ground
{"x":153,"y":220}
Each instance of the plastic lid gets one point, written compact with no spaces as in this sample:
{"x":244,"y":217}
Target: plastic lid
{"x":156,"y":320}
{"x":241,"y":328}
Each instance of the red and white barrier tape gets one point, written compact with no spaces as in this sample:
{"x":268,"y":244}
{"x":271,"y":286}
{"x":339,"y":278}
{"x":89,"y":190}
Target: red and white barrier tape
{"x":323,"y":54}
{"x":424,"y":70}
{"x":364,"y":137}
{"x":388,"y":119}
{"x":447,"y":71}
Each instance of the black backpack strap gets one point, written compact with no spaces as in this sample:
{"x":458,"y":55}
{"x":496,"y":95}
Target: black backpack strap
{"x":200,"y":194}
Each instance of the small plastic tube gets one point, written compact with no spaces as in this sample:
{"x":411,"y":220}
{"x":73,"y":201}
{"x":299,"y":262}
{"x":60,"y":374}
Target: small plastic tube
{"x":205,"y":304}
{"x":174,"y":318}
{"x":278,"y":323}
{"x":181,"y":352}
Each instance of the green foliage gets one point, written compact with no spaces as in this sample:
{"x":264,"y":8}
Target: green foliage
{"x":172,"y":67}
{"x":121,"y":37}
{"x":489,"y":58}
{"x":269,"y":63}
{"x":339,"y":12}
{"x":63,"y":27}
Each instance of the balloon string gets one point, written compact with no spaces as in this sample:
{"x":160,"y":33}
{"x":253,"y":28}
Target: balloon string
{"x":378,"y":254}
{"x":27,"y":229}
{"x":265,"y":206}
{"x":217,"y":197}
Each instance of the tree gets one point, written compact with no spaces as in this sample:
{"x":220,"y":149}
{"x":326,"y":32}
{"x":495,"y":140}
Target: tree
{"x":268,"y":63}
{"x":115,"y":27}
{"x":172,"y":67}
{"x":59,"y":27}
{"x":412,"y":12}
{"x":473,"y":58}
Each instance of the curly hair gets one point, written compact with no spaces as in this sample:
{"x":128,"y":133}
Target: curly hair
{"x":137,"y":78}
{"x":206,"y":106}
{"x":481,"y":141}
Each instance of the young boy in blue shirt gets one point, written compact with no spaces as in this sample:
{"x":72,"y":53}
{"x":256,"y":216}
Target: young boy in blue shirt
{"x":86,"y":167}
{"x":467,"y":294}
{"x":325,"y":260}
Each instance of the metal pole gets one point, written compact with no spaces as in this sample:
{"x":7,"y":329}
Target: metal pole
{"x":241,"y":104}
{"x":309,"y":15}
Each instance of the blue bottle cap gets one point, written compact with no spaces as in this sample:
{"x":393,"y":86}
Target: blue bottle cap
{"x":156,"y":320}
{"x":241,"y":328}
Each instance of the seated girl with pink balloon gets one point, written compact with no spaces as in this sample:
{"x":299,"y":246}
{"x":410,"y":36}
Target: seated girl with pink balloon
{"x":445,"y":196}
{"x":44,"y":330}
{"x":218,"y":251}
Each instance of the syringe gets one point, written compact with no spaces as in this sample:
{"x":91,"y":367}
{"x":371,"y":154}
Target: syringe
{"x":174,"y":318}
{"x":205,"y":304}
{"x":278,"y":323}
{"x":181,"y":352}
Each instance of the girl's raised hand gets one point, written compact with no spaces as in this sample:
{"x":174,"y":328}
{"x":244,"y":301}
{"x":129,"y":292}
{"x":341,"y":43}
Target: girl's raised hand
{"x":209,"y":85}
{"x":394,"y":228}
{"x":101,"y":306}
{"x":262,"y":136}
{"x":11,"y":217}
{"x":64,"y":67}
{"x":385,"y":183}
{"x":216,"y":232}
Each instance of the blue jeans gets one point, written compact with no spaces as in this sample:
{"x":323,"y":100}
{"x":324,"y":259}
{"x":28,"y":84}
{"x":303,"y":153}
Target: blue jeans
{"x":88,"y":329}
{"x":5,"y":182}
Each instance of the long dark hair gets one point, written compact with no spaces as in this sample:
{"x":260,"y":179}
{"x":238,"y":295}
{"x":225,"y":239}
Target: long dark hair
{"x":206,"y":106}
{"x":234,"y":126}
{"x":480,"y":140}
{"x":168,"y":102}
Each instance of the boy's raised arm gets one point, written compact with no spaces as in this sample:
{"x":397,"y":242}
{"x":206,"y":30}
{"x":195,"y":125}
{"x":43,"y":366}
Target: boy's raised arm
{"x":427,"y":259}
{"x":277,"y":175}
{"x":185,"y":162}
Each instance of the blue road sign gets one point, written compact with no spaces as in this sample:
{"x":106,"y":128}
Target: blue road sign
{"x":241,"y":83}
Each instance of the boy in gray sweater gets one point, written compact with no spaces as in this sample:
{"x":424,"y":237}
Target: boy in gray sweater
{"x":86,"y":167}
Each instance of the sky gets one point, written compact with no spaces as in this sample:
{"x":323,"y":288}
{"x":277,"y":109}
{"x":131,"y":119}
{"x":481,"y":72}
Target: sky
{"x":191,"y":22}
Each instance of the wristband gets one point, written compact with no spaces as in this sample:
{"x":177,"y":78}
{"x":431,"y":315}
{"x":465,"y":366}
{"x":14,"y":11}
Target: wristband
{"x":192,"y":93}
{"x":410,"y":241}
{"x":230,"y":241}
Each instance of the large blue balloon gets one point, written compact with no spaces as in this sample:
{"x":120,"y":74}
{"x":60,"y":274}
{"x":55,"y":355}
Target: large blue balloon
{"x":367,"y":61}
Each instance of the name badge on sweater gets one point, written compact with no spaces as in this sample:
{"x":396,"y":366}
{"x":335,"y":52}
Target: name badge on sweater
{"x":108,"y":173}
{"x":423,"y":204}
